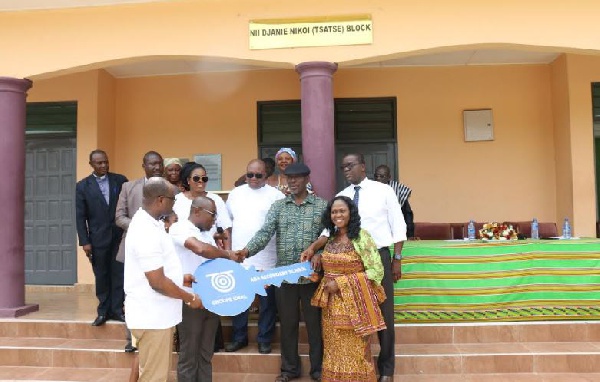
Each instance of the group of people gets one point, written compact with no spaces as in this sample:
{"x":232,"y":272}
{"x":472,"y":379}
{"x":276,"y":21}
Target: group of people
{"x":172,"y":225}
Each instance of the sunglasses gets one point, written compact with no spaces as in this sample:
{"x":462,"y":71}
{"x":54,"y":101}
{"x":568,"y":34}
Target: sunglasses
{"x":198,"y":178}
{"x":251,"y":175}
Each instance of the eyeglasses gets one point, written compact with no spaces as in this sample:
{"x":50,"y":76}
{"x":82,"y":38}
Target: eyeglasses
{"x":251,"y":175}
{"x":348,"y":166}
{"x":212,"y":213}
{"x":198,"y":178}
{"x":168,"y":197}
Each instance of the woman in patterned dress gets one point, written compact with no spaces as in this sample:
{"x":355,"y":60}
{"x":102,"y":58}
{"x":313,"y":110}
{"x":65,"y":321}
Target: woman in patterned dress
{"x":349,"y":294}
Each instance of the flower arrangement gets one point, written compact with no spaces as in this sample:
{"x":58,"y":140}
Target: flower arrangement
{"x":498,"y":231}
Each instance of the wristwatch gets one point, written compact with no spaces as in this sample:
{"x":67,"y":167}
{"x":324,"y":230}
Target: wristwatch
{"x":397,"y":256}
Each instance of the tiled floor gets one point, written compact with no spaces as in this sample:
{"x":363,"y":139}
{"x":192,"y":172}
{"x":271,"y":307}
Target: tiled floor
{"x":61,"y":303}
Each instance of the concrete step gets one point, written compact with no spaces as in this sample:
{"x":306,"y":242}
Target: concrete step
{"x":457,"y":350}
{"x":474,"y":358}
{"x":13,"y":373}
{"x":451,"y":333}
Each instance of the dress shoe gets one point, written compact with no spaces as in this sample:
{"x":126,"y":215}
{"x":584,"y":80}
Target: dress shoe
{"x":100,"y":320}
{"x":386,"y":378}
{"x":129,"y":348}
{"x":118,"y":317}
{"x":316,"y":377}
{"x":235,"y":346}
{"x":264,"y":347}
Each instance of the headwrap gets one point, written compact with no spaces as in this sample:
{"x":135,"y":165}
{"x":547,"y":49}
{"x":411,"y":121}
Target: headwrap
{"x":170,"y":161}
{"x":289,"y":151}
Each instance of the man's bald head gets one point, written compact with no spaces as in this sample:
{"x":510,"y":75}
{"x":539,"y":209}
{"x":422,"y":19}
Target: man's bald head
{"x":203,"y":202}
{"x":159,"y":197}
{"x":256,"y":174}
{"x":256,"y":163}
{"x":155,"y":187}
{"x":203,"y":213}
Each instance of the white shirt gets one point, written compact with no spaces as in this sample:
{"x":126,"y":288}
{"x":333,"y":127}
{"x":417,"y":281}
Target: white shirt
{"x":180,"y":232}
{"x":183,"y":204}
{"x":148,"y":247}
{"x":379,"y":210}
{"x":248,"y":208}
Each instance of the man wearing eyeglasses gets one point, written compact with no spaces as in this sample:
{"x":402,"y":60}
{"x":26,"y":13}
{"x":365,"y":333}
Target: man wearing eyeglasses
{"x":248,"y":205}
{"x":154,"y":281}
{"x":381,"y":216}
{"x":194,"y":245}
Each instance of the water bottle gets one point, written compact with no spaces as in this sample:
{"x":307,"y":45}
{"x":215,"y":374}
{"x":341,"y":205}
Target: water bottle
{"x":535,"y":229}
{"x":471,"y":230}
{"x":566,"y":229}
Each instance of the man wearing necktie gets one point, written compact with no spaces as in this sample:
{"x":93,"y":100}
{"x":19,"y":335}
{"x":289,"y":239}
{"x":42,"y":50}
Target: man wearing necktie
{"x":381,"y":216}
{"x":95,"y":204}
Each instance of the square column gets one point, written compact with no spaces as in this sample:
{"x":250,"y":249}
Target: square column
{"x":13,"y":92}
{"x":318,"y":146}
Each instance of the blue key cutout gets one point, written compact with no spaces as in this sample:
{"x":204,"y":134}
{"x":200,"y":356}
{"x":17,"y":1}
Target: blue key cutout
{"x":227,"y":288}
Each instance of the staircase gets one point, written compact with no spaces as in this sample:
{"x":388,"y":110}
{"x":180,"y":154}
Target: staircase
{"x":520,"y":351}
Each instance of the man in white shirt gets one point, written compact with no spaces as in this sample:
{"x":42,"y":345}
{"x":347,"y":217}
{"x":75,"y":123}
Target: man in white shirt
{"x":130,"y":201}
{"x":381,"y":216}
{"x":153,"y":282}
{"x":248,"y":205}
{"x":194,"y":245}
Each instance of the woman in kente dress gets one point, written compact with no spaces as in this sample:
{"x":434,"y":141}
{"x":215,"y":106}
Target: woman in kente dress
{"x":349,"y":294}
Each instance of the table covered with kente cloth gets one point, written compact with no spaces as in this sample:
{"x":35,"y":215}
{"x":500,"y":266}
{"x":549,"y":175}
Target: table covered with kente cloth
{"x":445,"y":281}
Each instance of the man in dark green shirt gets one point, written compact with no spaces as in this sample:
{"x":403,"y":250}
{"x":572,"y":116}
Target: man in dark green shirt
{"x":296,"y":220}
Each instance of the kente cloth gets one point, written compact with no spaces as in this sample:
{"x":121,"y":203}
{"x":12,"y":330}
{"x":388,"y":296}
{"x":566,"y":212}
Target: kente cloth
{"x":346,"y":356}
{"x":350,"y":316}
{"x":522,"y":280}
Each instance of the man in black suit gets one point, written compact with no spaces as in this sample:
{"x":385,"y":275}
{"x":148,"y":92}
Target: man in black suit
{"x":95,"y":204}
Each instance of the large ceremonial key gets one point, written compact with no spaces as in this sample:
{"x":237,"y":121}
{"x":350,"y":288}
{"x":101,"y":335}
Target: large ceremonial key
{"x":227,"y":288}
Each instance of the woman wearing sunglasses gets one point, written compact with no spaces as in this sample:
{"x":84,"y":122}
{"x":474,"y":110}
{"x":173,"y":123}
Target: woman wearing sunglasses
{"x":194,"y":180}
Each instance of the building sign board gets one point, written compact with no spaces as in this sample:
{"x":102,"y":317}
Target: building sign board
{"x":316,"y":31}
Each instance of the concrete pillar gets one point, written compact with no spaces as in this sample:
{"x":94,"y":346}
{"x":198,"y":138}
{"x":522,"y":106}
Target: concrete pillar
{"x":316,"y":81}
{"x":13,"y":93}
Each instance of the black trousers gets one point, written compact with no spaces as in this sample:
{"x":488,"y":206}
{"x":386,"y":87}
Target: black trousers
{"x":108,"y":273}
{"x":387,"y":337}
{"x":289,"y":297}
{"x":197,"y":332}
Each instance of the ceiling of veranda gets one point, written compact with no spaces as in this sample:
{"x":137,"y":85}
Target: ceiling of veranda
{"x":455,"y":58}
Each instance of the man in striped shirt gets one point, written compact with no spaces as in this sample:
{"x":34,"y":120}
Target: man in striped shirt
{"x":383,"y":175}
